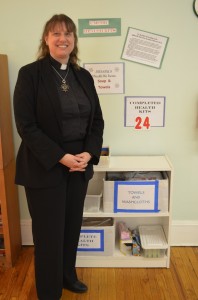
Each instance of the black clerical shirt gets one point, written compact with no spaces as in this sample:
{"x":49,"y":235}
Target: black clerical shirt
{"x":76,"y":107}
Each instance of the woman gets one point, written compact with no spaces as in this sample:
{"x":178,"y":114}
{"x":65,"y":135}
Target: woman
{"x":59,"y":119}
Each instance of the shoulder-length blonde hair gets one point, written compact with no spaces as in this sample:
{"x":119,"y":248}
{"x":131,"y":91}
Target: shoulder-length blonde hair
{"x":43,"y":50}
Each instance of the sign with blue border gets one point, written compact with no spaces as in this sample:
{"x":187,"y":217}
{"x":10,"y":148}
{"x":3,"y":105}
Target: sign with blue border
{"x":91,"y":240}
{"x":136,"y":196}
{"x":138,"y":108}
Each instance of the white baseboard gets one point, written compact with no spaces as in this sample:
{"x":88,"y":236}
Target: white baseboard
{"x":183,"y":233}
{"x":26,"y":232}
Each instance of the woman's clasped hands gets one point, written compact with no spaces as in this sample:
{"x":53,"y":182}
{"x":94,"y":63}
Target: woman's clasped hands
{"x":76,"y":162}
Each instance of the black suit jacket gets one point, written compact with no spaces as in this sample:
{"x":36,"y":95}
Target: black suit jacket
{"x":38,"y":120}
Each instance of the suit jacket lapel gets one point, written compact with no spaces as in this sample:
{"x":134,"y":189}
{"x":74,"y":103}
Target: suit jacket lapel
{"x":50,"y":87}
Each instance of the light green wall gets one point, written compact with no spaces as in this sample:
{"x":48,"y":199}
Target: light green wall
{"x":21,"y":24}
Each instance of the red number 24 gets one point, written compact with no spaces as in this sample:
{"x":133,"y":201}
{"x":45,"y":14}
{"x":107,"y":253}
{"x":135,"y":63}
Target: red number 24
{"x":142,"y":123}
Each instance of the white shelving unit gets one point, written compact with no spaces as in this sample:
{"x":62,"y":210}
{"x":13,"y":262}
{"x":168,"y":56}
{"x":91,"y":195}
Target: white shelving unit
{"x":133,"y":163}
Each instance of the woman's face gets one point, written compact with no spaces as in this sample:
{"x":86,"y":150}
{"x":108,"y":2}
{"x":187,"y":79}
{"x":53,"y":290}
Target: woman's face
{"x":60,"y":43}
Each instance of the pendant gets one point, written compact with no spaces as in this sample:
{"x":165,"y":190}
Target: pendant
{"x":64,"y":86}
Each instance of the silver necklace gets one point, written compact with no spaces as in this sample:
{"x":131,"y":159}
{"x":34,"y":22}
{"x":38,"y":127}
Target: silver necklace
{"x":64,"y":86}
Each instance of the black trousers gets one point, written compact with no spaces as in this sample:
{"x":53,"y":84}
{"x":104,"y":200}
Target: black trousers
{"x":56,"y":221}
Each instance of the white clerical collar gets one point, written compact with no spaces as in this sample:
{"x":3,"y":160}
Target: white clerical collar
{"x":63,"y":67}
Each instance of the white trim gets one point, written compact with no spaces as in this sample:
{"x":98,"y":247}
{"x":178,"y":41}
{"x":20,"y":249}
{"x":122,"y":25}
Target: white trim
{"x":183,"y":233}
{"x":26,"y":232}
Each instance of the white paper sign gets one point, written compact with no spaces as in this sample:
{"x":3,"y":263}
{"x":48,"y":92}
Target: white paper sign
{"x":144,"y":112}
{"x":108,"y":77}
{"x":144,"y":47}
{"x":136,"y":196}
{"x":91,"y":240}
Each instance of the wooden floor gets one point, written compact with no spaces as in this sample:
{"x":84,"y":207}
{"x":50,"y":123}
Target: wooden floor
{"x":177,"y":283}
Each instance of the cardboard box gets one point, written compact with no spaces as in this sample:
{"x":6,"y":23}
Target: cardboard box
{"x":97,"y":237}
{"x":145,"y":192}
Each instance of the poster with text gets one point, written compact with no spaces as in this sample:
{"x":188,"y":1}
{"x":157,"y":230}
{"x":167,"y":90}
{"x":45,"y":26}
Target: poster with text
{"x":144,"y":112}
{"x":144,"y":47}
{"x":108,"y":77}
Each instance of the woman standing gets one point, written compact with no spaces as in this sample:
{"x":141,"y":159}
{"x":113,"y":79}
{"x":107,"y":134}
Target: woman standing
{"x":59,"y":119}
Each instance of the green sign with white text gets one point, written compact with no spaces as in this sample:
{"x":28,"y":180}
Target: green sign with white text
{"x":99,"y":27}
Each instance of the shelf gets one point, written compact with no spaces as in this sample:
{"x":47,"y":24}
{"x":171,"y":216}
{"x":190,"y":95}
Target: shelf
{"x":133,"y":163}
{"x":118,"y":260}
{"x":125,"y":215}
{"x":132,"y":219}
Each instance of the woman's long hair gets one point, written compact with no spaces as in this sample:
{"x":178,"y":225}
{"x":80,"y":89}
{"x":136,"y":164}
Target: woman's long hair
{"x":43,"y":50}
